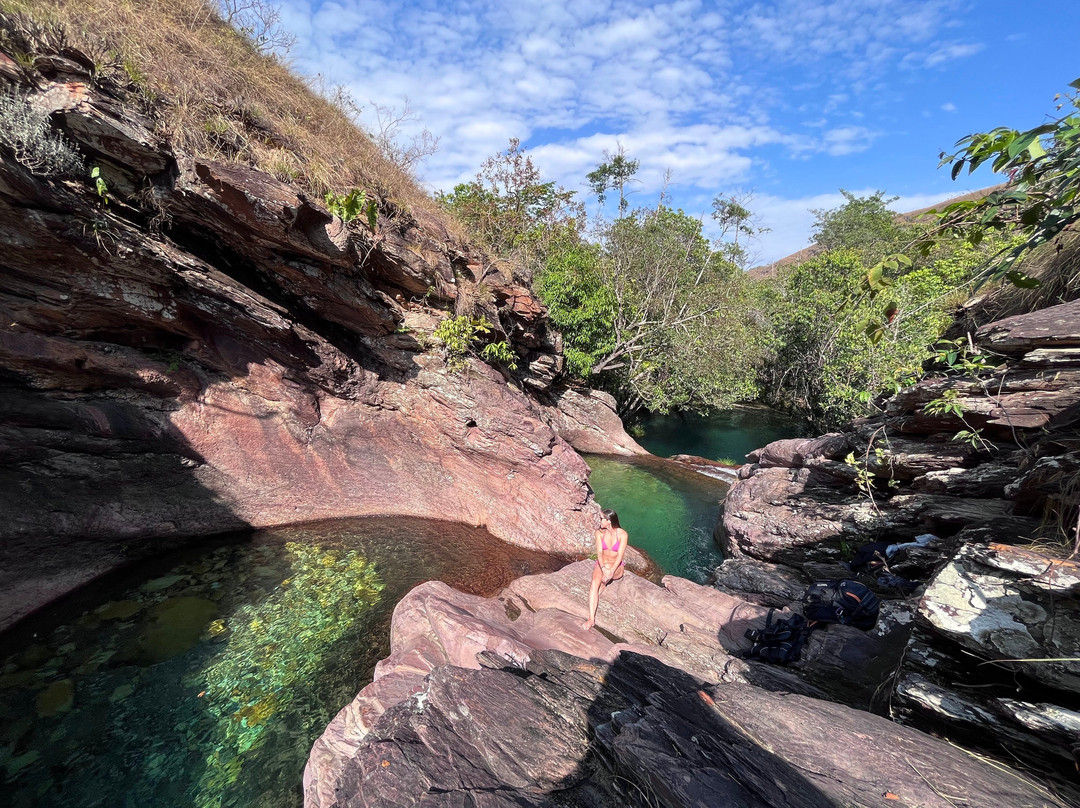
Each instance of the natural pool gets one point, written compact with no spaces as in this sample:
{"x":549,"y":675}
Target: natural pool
{"x":203,"y":679}
{"x":727,"y":435}
{"x":669,"y":511}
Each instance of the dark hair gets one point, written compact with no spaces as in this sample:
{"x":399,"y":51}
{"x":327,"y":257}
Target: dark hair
{"x":611,"y":516}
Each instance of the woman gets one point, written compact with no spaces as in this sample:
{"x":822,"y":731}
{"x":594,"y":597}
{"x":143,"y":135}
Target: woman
{"x":610,"y":549}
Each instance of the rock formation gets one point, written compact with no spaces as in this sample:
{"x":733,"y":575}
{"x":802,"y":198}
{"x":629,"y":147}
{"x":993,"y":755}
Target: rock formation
{"x":508,"y":701}
{"x":993,"y":655}
{"x":195,"y":347}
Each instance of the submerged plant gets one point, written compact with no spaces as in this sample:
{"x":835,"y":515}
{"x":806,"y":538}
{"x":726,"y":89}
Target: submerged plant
{"x":274,"y":648}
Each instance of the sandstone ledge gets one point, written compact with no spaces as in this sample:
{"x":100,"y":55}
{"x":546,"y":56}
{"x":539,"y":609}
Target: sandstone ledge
{"x":507,"y":701}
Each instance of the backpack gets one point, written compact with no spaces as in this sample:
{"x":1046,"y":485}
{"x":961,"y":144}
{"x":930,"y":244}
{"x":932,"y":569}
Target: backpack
{"x":779,"y":642}
{"x":847,"y":602}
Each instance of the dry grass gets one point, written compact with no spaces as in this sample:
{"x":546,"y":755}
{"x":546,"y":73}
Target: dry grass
{"x":211,"y":94}
{"x":1056,"y":265}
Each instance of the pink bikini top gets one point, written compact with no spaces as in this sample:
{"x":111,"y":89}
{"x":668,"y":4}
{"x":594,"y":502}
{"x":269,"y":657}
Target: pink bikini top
{"x":603,"y":542}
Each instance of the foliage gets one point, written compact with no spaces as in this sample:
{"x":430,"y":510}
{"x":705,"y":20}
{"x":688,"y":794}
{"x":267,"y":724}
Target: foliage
{"x":1043,"y":166}
{"x":26,"y":133}
{"x":865,"y":224}
{"x":736,"y":222}
{"x":459,"y":336}
{"x":100,"y":185}
{"x":677,"y":309}
{"x":579,"y":304}
{"x":615,"y":173}
{"x":350,"y":206}
{"x":272,"y":647}
{"x":514,"y":212}
{"x":501,"y":353}
{"x":835,"y":353}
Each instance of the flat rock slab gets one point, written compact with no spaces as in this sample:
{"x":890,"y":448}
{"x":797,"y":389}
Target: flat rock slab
{"x":564,"y":731}
{"x":1053,"y":327}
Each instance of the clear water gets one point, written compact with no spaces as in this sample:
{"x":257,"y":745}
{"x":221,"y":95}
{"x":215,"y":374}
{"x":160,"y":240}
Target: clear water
{"x":204,"y":679}
{"x":726,"y":435}
{"x":668,"y":511}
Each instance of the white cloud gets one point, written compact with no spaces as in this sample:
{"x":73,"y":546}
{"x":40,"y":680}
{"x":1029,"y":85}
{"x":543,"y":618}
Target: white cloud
{"x":702,"y":88}
{"x":948,"y":107}
{"x":792,"y":222}
{"x":941,"y":54}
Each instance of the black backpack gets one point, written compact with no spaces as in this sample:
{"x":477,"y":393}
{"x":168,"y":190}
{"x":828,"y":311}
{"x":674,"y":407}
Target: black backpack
{"x":779,"y":642}
{"x":845,"y":601}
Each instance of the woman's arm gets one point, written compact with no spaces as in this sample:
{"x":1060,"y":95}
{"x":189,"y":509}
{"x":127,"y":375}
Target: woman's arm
{"x":622,"y":548}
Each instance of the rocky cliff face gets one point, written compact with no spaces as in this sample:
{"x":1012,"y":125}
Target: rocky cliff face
{"x":196,"y":347}
{"x":992,"y":659}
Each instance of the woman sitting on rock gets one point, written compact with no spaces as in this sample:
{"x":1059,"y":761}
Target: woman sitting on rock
{"x":611,"y":543}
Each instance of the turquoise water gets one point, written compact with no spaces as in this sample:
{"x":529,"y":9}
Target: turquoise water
{"x":723,"y":435}
{"x":668,"y":511}
{"x":203,"y":680}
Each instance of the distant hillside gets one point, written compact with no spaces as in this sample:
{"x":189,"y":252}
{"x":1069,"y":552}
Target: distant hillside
{"x":806,"y":253}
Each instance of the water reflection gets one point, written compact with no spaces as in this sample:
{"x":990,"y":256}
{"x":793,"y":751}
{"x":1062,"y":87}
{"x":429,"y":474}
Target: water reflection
{"x":205,"y":680}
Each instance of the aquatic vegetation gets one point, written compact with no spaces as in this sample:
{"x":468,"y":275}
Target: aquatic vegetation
{"x":274,"y":648}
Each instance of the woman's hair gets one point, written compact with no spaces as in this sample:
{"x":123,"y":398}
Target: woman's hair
{"x":611,"y":516}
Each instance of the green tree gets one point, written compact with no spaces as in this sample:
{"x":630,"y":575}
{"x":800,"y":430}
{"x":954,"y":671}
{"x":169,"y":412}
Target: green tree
{"x":826,"y":367}
{"x":615,"y":173}
{"x":865,"y":224}
{"x":514,"y":212}
{"x":681,"y":336}
{"x":738,"y":227}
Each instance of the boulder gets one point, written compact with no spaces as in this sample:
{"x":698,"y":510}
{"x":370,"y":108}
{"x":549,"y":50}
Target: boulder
{"x":975,"y":666}
{"x":1054,"y":327}
{"x":759,"y":582}
{"x":561,"y":730}
{"x":795,"y":452}
{"x":586,"y":419}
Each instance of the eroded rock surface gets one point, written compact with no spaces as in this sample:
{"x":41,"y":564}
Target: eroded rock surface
{"x":689,"y":627}
{"x":984,"y":622}
{"x":991,"y":659}
{"x":558,"y":730}
{"x":214,"y":350}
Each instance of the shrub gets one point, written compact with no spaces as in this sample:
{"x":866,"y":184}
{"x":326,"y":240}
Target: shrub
{"x":458,"y":335}
{"x":26,"y":132}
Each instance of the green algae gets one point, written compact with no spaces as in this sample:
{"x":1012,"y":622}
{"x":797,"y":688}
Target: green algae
{"x":59,"y":697}
{"x":177,"y":624}
{"x":273,"y":649}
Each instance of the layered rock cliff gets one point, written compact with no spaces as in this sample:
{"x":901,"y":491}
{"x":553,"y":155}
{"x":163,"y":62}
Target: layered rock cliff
{"x":993,"y":472}
{"x":189,"y":346}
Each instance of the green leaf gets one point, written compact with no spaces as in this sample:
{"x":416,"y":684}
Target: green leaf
{"x":1022,"y":280}
{"x":1075,"y":84}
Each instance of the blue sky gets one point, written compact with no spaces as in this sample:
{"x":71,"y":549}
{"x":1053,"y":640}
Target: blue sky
{"x":790,"y":99}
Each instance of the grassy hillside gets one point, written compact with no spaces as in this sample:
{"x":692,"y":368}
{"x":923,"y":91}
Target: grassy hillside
{"x":211,"y":93}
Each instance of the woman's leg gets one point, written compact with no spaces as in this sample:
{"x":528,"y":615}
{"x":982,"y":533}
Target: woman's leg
{"x":595,"y":588}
